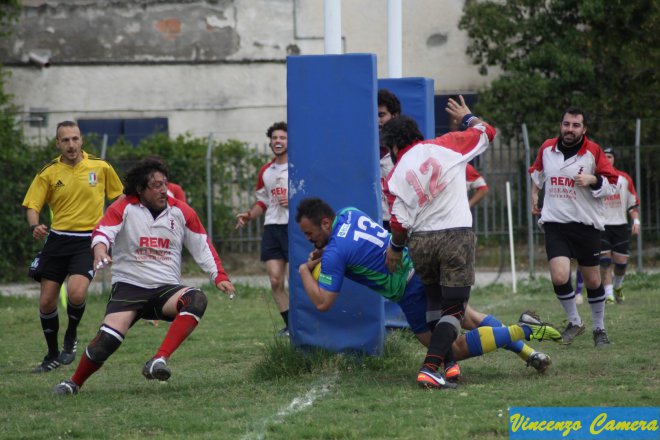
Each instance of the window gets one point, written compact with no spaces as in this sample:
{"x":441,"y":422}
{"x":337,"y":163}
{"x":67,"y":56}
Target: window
{"x":133,"y":130}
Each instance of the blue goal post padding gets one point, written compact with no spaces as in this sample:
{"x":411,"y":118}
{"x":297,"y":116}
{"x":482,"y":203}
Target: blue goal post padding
{"x":417,"y":102}
{"x":333,"y":154}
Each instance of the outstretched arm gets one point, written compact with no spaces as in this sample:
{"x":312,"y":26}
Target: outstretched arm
{"x":458,"y":110}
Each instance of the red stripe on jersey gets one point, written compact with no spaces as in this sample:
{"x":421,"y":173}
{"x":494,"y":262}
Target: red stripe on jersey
{"x":464,"y":141}
{"x":262,"y":170}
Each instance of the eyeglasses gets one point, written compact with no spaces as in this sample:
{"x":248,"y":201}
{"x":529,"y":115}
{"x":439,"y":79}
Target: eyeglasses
{"x":157,"y":184}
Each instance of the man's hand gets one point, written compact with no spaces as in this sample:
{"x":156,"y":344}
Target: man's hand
{"x":535,"y":200}
{"x":40,"y":232}
{"x":101,"y":257}
{"x":585,"y":179}
{"x":242,"y":219}
{"x":316,"y":254}
{"x":227,"y":287}
{"x":457,"y":110}
{"x":393,"y":260}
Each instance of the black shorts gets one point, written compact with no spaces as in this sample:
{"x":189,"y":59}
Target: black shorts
{"x":573,"y":240}
{"x":275,"y":243}
{"x":615,"y":239}
{"x":63,"y":255}
{"x":147,"y":302}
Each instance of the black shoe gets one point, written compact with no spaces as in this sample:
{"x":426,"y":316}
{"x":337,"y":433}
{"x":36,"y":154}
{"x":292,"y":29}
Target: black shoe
{"x":284,"y":333}
{"x":65,"y":388}
{"x":156,"y":368}
{"x":600,"y":338}
{"x":68,"y":353}
{"x":571,"y":332}
{"x":48,"y":364}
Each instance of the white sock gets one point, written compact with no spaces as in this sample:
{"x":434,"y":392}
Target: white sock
{"x":571,"y":310}
{"x":609,"y":290}
{"x":618,"y":280}
{"x":598,"y":315}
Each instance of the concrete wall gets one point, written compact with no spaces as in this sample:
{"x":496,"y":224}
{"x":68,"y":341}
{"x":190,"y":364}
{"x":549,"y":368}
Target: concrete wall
{"x":215,"y":66}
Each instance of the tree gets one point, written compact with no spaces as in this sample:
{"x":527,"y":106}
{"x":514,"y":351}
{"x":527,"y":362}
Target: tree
{"x":16,"y":168}
{"x":600,"y":55}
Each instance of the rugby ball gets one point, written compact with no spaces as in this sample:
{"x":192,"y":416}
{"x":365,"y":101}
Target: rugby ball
{"x":316,"y":272}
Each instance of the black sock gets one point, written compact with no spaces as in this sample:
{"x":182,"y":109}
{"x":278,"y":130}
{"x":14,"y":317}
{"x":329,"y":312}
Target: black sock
{"x":75,"y":313}
{"x":443,"y":336}
{"x":285,"y":317}
{"x":50,"y":323}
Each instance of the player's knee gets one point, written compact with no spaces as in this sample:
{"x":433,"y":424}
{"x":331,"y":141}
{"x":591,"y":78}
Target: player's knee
{"x":605,"y":262}
{"x":432,"y":317}
{"x":276,"y":282}
{"x":453,"y":312}
{"x":106,"y":342}
{"x":620,"y":267}
{"x":452,"y":324}
{"x":194,"y":302}
{"x":596,"y":294}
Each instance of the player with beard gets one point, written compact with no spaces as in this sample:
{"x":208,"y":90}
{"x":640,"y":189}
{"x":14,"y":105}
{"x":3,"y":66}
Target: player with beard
{"x":147,"y":231}
{"x":273,"y":201}
{"x":576,"y":176}
{"x":349,"y":244}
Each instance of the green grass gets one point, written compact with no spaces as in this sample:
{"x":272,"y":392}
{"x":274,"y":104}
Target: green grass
{"x":233,"y":380}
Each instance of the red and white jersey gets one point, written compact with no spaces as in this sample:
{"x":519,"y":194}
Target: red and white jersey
{"x":617,"y":205}
{"x":146,"y":252}
{"x":474,"y":180}
{"x":386,"y":166}
{"x":564,"y":202}
{"x":428,"y":181}
{"x":174,"y":190}
{"x":273,"y":185}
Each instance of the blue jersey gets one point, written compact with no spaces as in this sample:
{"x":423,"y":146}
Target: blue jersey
{"x":356,"y":250}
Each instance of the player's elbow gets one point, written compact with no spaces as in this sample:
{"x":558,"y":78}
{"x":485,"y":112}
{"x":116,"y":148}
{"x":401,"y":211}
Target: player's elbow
{"x":323,"y":306}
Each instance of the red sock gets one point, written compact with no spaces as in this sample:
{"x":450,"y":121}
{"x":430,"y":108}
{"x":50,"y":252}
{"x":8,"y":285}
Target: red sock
{"x":181,"y":327}
{"x":86,"y":367}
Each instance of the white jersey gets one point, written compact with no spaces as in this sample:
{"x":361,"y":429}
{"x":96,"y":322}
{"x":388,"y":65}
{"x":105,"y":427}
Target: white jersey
{"x":429,"y":180}
{"x":564,"y":202}
{"x":272,"y":186}
{"x":146,"y":252}
{"x":386,"y":166}
{"x":617,"y":205}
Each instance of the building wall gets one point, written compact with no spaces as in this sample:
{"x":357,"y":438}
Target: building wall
{"x":216,"y":66}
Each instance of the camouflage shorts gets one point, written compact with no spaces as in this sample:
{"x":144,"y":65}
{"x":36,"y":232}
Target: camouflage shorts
{"x":444,"y":257}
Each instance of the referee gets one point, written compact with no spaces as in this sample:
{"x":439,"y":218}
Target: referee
{"x":74,"y":186}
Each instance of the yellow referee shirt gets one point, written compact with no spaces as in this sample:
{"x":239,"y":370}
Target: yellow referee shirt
{"x":75,"y":194}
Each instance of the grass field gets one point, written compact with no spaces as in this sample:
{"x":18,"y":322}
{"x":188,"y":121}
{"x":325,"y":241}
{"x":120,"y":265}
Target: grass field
{"x":233,"y":380}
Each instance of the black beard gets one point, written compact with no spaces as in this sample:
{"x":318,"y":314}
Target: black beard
{"x":393,"y":157}
{"x":577,"y":142}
